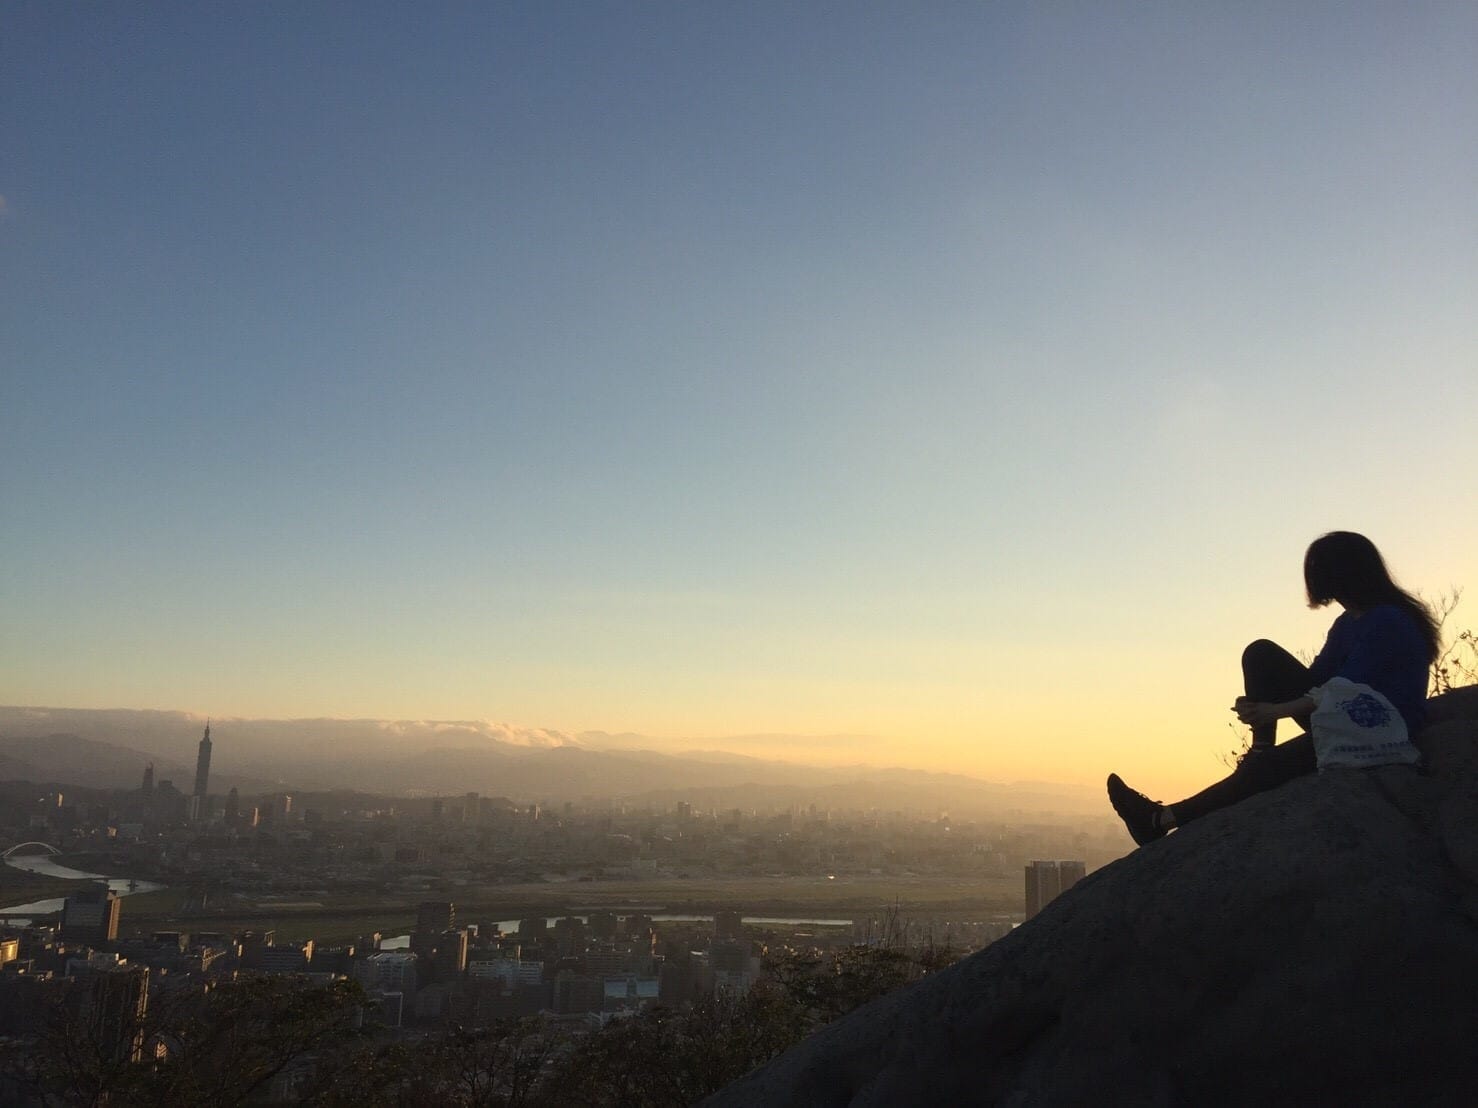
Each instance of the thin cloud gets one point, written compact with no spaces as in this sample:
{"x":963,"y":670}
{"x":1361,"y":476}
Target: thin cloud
{"x":476,"y":729}
{"x":815,"y":741}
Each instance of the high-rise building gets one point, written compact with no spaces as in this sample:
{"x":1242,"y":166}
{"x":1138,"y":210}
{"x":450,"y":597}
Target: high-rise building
{"x":511,"y":971}
{"x":112,"y":1000}
{"x":390,"y":970}
{"x":729,"y":955}
{"x":435,"y":916}
{"x":91,"y":916}
{"x":279,"y":808}
{"x":272,"y":958}
{"x":569,"y":935}
{"x":1045,"y":881}
{"x":148,"y":786}
{"x":451,"y":955}
{"x":233,"y":805}
{"x":202,"y":768}
{"x":578,"y":992}
{"x":728,"y":925}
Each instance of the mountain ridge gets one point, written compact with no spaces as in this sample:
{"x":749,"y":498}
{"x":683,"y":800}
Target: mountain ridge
{"x":420,"y":758}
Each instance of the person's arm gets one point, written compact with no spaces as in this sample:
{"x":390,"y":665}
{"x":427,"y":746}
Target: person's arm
{"x":1256,"y":713}
{"x":1332,"y":654}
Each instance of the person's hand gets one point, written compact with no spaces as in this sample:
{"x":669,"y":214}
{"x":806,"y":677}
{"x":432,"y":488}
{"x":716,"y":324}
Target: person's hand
{"x":1255,"y":713}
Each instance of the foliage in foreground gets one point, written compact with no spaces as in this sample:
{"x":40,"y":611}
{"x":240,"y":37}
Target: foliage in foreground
{"x":223,"y":1047}
{"x":659,"y":1058}
{"x":226,"y":1047}
{"x":1457,"y":665}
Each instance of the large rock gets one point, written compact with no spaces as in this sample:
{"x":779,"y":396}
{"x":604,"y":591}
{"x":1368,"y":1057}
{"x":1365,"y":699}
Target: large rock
{"x":1317,"y":944}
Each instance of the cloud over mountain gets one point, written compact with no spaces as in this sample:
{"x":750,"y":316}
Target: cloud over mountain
{"x":454,"y":756}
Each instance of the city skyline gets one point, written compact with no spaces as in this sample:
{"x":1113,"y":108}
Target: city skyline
{"x":106,"y":750}
{"x":962,"y":381}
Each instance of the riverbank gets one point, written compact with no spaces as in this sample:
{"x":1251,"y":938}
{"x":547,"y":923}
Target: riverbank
{"x":22,"y":887}
{"x":57,"y":879}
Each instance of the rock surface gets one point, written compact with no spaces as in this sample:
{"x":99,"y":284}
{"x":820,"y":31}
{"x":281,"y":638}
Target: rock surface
{"x":1317,"y":944}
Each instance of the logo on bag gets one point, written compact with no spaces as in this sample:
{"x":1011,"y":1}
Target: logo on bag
{"x":1366,"y":711}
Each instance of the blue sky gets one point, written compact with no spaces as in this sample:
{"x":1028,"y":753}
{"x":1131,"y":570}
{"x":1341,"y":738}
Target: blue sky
{"x":941,"y":373}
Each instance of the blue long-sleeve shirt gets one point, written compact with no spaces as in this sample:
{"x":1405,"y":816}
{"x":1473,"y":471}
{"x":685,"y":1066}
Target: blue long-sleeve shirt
{"x":1385,"y":649}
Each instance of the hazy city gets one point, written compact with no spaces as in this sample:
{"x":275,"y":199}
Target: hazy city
{"x":463,"y":910}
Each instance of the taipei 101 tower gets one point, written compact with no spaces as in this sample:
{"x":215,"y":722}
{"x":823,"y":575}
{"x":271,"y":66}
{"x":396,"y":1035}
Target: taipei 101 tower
{"x":202,"y":768}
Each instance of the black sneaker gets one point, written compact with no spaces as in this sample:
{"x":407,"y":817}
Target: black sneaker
{"x":1139,"y":813}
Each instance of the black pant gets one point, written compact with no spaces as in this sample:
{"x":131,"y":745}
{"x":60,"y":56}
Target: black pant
{"x":1272,"y":675}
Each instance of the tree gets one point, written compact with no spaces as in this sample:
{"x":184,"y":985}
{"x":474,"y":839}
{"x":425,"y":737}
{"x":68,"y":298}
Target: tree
{"x":245,"y":1033}
{"x":497,"y":1066}
{"x":671,"y":1058}
{"x":1457,"y":665}
{"x":220,"y":1047}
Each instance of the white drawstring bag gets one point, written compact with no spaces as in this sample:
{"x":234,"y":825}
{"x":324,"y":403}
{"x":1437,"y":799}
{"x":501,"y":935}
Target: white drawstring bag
{"x":1353,"y":725}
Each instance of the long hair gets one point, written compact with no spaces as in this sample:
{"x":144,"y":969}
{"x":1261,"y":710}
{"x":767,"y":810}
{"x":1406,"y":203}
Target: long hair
{"x":1347,"y":567}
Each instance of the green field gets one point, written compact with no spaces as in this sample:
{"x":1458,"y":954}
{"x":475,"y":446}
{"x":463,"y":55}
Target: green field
{"x":344,"y":918}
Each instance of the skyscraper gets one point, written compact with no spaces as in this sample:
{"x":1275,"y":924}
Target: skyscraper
{"x":1070,"y":873}
{"x":148,"y":786}
{"x":91,"y":916}
{"x":112,"y":999}
{"x":202,"y":766}
{"x":1047,"y":880}
{"x":435,"y":916}
{"x":451,"y":955}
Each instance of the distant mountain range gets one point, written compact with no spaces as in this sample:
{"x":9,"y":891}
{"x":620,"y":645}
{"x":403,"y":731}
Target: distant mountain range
{"x":109,"y":749}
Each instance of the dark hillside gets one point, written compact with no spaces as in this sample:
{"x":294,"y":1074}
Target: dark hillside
{"x":1317,"y":944}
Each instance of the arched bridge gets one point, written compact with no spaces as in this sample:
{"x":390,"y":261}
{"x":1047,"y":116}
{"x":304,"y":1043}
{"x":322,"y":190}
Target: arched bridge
{"x":24,"y":848}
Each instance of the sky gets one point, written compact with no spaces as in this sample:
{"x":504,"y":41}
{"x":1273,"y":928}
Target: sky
{"x":965,"y":378}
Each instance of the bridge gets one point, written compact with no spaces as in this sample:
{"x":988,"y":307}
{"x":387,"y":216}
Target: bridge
{"x":22,"y":848}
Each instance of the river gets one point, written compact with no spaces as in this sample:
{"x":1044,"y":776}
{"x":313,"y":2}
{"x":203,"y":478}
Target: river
{"x":44,"y":865}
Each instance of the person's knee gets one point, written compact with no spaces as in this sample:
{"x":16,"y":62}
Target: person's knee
{"x":1260,"y":649}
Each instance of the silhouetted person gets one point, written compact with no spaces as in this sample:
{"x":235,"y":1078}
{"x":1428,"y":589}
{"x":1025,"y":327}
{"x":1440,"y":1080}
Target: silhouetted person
{"x":1385,"y":638}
